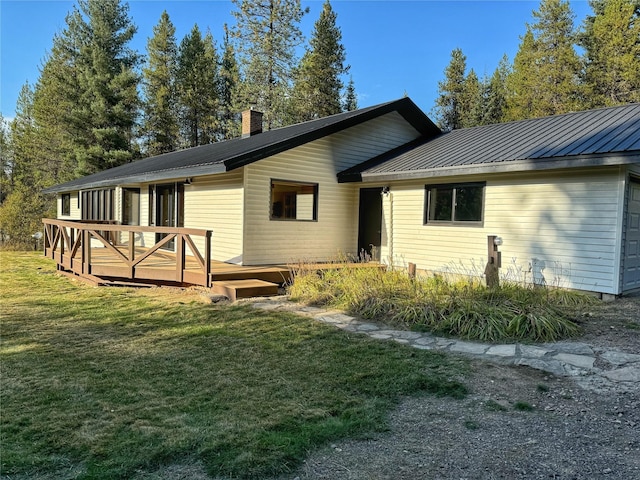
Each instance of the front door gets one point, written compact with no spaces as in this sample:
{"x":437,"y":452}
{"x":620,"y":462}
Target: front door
{"x":165,"y":211}
{"x":631,"y":261}
{"x":370,"y":224}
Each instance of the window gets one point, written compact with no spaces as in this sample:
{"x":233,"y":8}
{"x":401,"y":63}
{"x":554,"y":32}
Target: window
{"x":131,"y":206}
{"x":66,"y":204}
{"x":98,"y":204}
{"x":461,"y":203}
{"x":294,"y":201}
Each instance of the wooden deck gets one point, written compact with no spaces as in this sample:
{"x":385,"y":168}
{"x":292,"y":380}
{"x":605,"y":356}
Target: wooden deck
{"x":103,"y":254}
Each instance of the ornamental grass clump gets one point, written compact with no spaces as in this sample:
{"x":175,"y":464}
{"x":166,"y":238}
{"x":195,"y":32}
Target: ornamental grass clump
{"x":465,"y":309}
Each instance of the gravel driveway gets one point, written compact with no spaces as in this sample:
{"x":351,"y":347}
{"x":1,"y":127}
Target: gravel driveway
{"x":517,"y":423}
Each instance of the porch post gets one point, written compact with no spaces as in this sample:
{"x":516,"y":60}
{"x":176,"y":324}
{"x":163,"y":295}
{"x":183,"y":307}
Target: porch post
{"x":207,"y":258}
{"x":86,"y":252}
{"x":180,"y":257}
{"x":132,"y":254}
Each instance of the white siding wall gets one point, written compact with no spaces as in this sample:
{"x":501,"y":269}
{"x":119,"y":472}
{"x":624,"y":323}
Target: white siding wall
{"x":74,"y":212}
{"x":560,"y":227}
{"x":336,"y":231}
{"x":215,"y":203}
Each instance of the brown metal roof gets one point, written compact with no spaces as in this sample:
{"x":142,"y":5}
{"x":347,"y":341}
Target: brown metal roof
{"x":592,"y":137}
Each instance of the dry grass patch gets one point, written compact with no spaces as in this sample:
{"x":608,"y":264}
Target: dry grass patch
{"x":112,"y":383}
{"x":465,"y":309}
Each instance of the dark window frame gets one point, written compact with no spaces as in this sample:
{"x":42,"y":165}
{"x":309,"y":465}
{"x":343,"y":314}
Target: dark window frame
{"x":454,"y":187}
{"x":292,"y":183}
{"x":66,"y":204}
{"x":130,"y":196}
{"x":98,"y":205}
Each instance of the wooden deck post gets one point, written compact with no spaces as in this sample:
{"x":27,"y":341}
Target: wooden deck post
{"x":180,"y":258}
{"x":86,"y":252}
{"x":207,"y":259}
{"x":132,"y":254}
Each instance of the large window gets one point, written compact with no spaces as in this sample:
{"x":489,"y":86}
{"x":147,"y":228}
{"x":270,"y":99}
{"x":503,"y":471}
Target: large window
{"x":294,"y":200}
{"x":66,"y":204}
{"x":455,"y":203}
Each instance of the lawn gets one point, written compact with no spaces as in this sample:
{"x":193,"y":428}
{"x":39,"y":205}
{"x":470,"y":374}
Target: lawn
{"x":110,"y":382}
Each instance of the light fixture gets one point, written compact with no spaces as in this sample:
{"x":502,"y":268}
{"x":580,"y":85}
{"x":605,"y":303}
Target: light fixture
{"x":497,"y":241}
{"x":385,"y":190}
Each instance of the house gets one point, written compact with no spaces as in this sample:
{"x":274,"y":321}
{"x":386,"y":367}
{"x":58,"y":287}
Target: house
{"x":562,"y":193}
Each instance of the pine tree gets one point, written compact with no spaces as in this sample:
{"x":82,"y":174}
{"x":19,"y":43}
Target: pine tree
{"x":23,"y":206}
{"x":6,"y":160}
{"x":197,"y":88}
{"x":522,"y":84}
{"x":318,"y":86}
{"x":105,"y":67}
{"x":546,"y":67}
{"x":471,"y":101}
{"x":350,"y":97}
{"x":24,"y":167}
{"x":160,"y":122}
{"x":268,"y":33}
{"x":448,"y":108}
{"x":611,"y":40}
{"x":56,"y":101}
{"x":230,"y":83}
{"x":495,"y":94}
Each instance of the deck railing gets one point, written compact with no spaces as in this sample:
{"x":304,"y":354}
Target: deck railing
{"x":104,"y":249}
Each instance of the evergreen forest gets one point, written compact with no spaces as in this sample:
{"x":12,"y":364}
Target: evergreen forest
{"x":98,"y":103}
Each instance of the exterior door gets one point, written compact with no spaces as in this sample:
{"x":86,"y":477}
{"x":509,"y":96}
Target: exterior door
{"x":631,"y":262}
{"x":370,"y":223}
{"x":165,"y":211}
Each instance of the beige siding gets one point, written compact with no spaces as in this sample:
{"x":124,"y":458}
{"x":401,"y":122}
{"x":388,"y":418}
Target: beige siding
{"x":74,"y":212}
{"x":562,"y":228}
{"x":335,"y":232}
{"x":215,"y":203}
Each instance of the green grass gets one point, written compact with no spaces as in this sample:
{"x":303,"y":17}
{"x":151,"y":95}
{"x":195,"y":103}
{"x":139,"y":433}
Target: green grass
{"x":466,"y":309}
{"x":107,"y":382}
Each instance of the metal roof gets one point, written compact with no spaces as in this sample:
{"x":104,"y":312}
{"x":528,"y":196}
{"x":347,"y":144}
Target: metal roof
{"x":231,"y":154}
{"x":594,"y":137}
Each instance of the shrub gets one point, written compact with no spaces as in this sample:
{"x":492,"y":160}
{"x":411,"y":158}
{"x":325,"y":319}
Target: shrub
{"x":465,"y":309}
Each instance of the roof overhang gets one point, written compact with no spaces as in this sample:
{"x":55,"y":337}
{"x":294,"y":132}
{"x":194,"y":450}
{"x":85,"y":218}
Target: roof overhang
{"x":514,"y":166}
{"x":151,"y":177}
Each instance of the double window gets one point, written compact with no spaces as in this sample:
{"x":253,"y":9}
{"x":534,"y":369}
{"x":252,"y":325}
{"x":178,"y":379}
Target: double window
{"x":294,"y":200}
{"x":454,"y":203}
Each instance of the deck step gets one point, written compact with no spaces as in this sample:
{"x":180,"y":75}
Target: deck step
{"x":234,"y":289}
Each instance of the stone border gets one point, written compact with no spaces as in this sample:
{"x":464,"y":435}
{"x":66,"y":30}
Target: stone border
{"x":621,"y":370}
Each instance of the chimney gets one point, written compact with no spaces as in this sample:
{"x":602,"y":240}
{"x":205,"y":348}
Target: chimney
{"x":251,"y":123}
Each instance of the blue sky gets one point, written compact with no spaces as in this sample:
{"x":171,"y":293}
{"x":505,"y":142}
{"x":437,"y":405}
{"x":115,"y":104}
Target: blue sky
{"x":393,"y":47}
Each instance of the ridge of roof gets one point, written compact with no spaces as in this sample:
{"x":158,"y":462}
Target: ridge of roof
{"x":231,"y":154}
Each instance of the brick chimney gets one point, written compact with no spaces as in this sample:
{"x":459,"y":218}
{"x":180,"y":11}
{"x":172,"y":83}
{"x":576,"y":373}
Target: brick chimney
{"x":251,"y":123}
